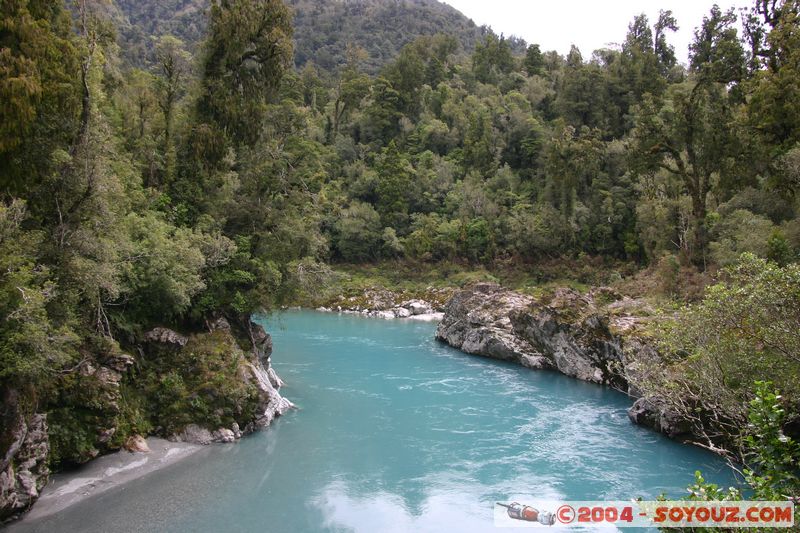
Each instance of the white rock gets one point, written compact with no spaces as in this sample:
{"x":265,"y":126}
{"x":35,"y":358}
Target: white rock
{"x":195,"y":435}
{"x":417,"y":307}
{"x":224,"y":435}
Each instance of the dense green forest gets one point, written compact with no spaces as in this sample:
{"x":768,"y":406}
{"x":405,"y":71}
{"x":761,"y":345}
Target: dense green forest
{"x":171,"y":173}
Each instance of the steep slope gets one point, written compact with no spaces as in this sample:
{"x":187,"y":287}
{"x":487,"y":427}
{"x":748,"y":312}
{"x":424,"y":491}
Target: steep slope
{"x":323,"y":29}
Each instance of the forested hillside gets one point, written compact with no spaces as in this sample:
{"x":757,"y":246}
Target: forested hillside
{"x":323,"y":30}
{"x":215,"y":180}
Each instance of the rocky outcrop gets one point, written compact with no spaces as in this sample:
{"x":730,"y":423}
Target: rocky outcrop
{"x":654,"y":414}
{"x":23,"y":467}
{"x":253,"y":374}
{"x":166,"y":336}
{"x":566,"y":334}
{"x":86,"y":416}
{"x":260,"y":373}
{"x":586,"y":336}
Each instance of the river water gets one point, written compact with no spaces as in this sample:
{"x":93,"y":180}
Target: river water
{"x":396,"y":432}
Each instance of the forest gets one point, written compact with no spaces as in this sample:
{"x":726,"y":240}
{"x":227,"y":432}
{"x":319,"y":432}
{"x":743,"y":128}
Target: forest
{"x":223,"y":172}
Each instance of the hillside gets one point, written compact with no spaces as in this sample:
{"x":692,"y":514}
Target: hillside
{"x":323,"y":29}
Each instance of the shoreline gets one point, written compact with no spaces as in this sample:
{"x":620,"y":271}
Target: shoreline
{"x":384,"y":315}
{"x":102,"y":474}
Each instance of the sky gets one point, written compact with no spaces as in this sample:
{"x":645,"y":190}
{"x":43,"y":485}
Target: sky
{"x":589,"y":24}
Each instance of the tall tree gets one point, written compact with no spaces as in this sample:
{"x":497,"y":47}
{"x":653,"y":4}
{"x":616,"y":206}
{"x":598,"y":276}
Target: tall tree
{"x":174,"y":64}
{"x":693,"y":133}
{"x":492,"y":58}
{"x":38,"y":90}
{"x":249,"y":46}
{"x":773,"y":109}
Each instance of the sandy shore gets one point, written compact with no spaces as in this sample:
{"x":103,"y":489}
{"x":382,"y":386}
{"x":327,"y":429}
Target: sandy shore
{"x":105,"y":473}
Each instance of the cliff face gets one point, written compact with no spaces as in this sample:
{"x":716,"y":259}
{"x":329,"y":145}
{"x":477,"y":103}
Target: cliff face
{"x":199,"y":388}
{"x":23,"y":464}
{"x":567,"y":334}
{"x":588,"y":337}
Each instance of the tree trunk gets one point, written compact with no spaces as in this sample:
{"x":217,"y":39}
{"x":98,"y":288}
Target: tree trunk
{"x":699,"y":212}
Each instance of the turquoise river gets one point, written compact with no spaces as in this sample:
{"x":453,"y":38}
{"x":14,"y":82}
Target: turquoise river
{"x":396,"y":432}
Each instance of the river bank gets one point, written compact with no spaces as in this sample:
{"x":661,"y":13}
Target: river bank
{"x":104,"y":474}
{"x":598,"y":337}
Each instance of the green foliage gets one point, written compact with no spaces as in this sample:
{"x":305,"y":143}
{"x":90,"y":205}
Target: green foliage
{"x":166,"y":267}
{"x":326,"y":29}
{"x":384,"y":112}
{"x":248,"y":48}
{"x":492,"y":59}
{"x":239,"y":285}
{"x":703,"y":491}
{"x":199,"y":384}
{"x":772,"y":457}
{"x":38,"y":89}
{"x":395,"y":176}
{"x":741,"y":232}
{"x":778,"y":248}
{"x":32,"y":344}
{"x":359,"y":233}
{"x":537,"y":230}
{"x":743,"y":331}
{"x":534,"y":61}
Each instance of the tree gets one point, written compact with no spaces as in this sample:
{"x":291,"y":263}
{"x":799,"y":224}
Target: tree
{"x":351,"y":88}
{"x":572,"y":159}
{"x":38,"y":90}
{"x":693,"y":133}
{"x":647,"y":59}
{"x":383,"y":112}
{"x":534,"y":61}
{"x":664,"y":51}
{"x":743,"y":331}
{"x":174,"y":68}
{"x":479,"y":143}
{"x":395,"y":176}
{"x":32,"y":344}
{"x":773,"y":115}
{"x":249,"y":46}
{"x":358,"y":233}
{"x":426,"y":61}
{"x":583,"y":94}
{"x":492,"y":58}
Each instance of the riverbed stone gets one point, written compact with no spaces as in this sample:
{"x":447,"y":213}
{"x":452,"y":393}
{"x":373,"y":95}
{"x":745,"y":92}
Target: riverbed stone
{"x":654,"y":414}
{"x":223,"y":435}
{"x":136,"y":444}
{"x":401,"y":312}
{"x":418,"y":307}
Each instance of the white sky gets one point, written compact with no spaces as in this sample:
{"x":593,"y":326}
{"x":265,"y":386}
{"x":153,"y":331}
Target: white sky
{"x":589,"y":24}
